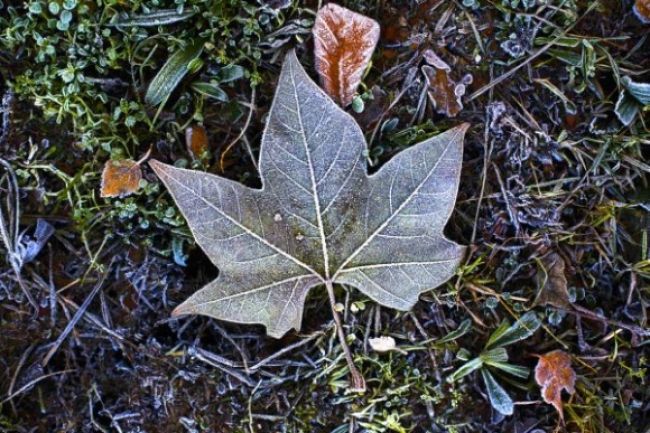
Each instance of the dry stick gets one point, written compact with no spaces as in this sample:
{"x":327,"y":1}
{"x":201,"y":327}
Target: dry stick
{"x":588,"y":314}
{"x":358,"y":383}
{"x":14,"y":377}
{"x":7,"y":233}
{"x":281,"y":352}
{"x":71,"y":324}
{"x":214,"y":360}
{"x":243,"y":131}
{"x":32,"y":383}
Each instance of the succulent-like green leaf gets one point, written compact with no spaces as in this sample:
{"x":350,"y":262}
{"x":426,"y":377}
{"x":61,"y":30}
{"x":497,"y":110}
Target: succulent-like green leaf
{"x":462,"y":329}
{"x":499,"y":398}
{"x":154,"y":19}
{"x":626,"y":108}
{"x":515,"y":370}
{"x":640,"y":91}
{"x":465,"y":369}
{"x":498,"y":354}
{"x":171,"y":73}
{"x":520,"y":330}
{"x":319,"y":217}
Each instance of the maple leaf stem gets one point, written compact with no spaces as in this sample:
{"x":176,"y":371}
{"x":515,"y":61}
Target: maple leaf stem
{"x":358,"y":382}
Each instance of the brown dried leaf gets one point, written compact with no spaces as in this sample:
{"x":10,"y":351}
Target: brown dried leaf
{"x":553,"y":373}
{"x":552,"y":283}
{"x":120,"y":178}
{"x":642,"y":10}
{"x":445,"y":94}
{"x":343,"y":44}
{"x":196,"y":140}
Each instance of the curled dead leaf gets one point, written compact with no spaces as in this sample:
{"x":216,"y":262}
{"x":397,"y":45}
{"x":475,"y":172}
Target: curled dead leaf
{"x":343,"y":44}
{"x":196,"y":140}
{"x":445,"y":94}
{"x":554,"y":373}
{"x":120,"y":178}
{"x":552,"y":283}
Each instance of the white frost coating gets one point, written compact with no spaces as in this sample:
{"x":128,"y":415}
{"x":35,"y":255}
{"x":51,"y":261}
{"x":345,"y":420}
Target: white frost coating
{"x":319,"y":216}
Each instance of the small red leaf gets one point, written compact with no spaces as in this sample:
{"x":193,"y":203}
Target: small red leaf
{"x":554,"y":373}
{"x":343,"y":44}
{"x":120,"y":178}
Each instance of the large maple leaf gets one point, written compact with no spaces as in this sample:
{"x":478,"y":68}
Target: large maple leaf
{"x":319,"y":217}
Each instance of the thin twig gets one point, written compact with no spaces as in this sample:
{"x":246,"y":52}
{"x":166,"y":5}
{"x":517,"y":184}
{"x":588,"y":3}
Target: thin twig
{"x":77,"y":315}
{"x":9,"y":230}
{"x":209,"y":358}
{"x":243,"y":130}
{"x":32,"y":383}
{"x":287,"y":349}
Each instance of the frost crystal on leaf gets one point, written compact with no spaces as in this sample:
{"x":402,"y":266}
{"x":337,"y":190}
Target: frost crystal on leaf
{"x":319,"y":217}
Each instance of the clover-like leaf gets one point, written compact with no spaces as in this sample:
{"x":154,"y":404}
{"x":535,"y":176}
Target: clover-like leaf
{"x":319,"y":217}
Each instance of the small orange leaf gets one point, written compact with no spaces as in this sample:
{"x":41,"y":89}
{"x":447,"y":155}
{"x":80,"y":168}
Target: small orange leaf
{"x":343,"y":44}
{"x":642,"y":10}
{"x":120,"y":178}
{"x":445,"y":94}
{"x":553,"y":373}
{"x":196,"y":140}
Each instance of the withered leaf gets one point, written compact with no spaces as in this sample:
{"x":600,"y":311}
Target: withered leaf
{"x":343,"y":44}
{"x":319,"y":217}
{"x":196,"y":140}
{"x":120,"y":178}
{"x":554,"y":373}
{"x":552,"y":283}
{"x":445,"y":94}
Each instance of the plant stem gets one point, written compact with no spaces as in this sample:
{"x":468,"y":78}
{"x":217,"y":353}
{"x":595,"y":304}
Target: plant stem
{"x":358,"y":383}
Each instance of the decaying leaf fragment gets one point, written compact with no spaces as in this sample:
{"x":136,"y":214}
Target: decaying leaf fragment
{"x":444,"y":93}
{"x":120,"y":178}
{"x":554,"y":373}
{"x":319,"y":218}
{"x":552,"y":283}
{"x":343,"y":44}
